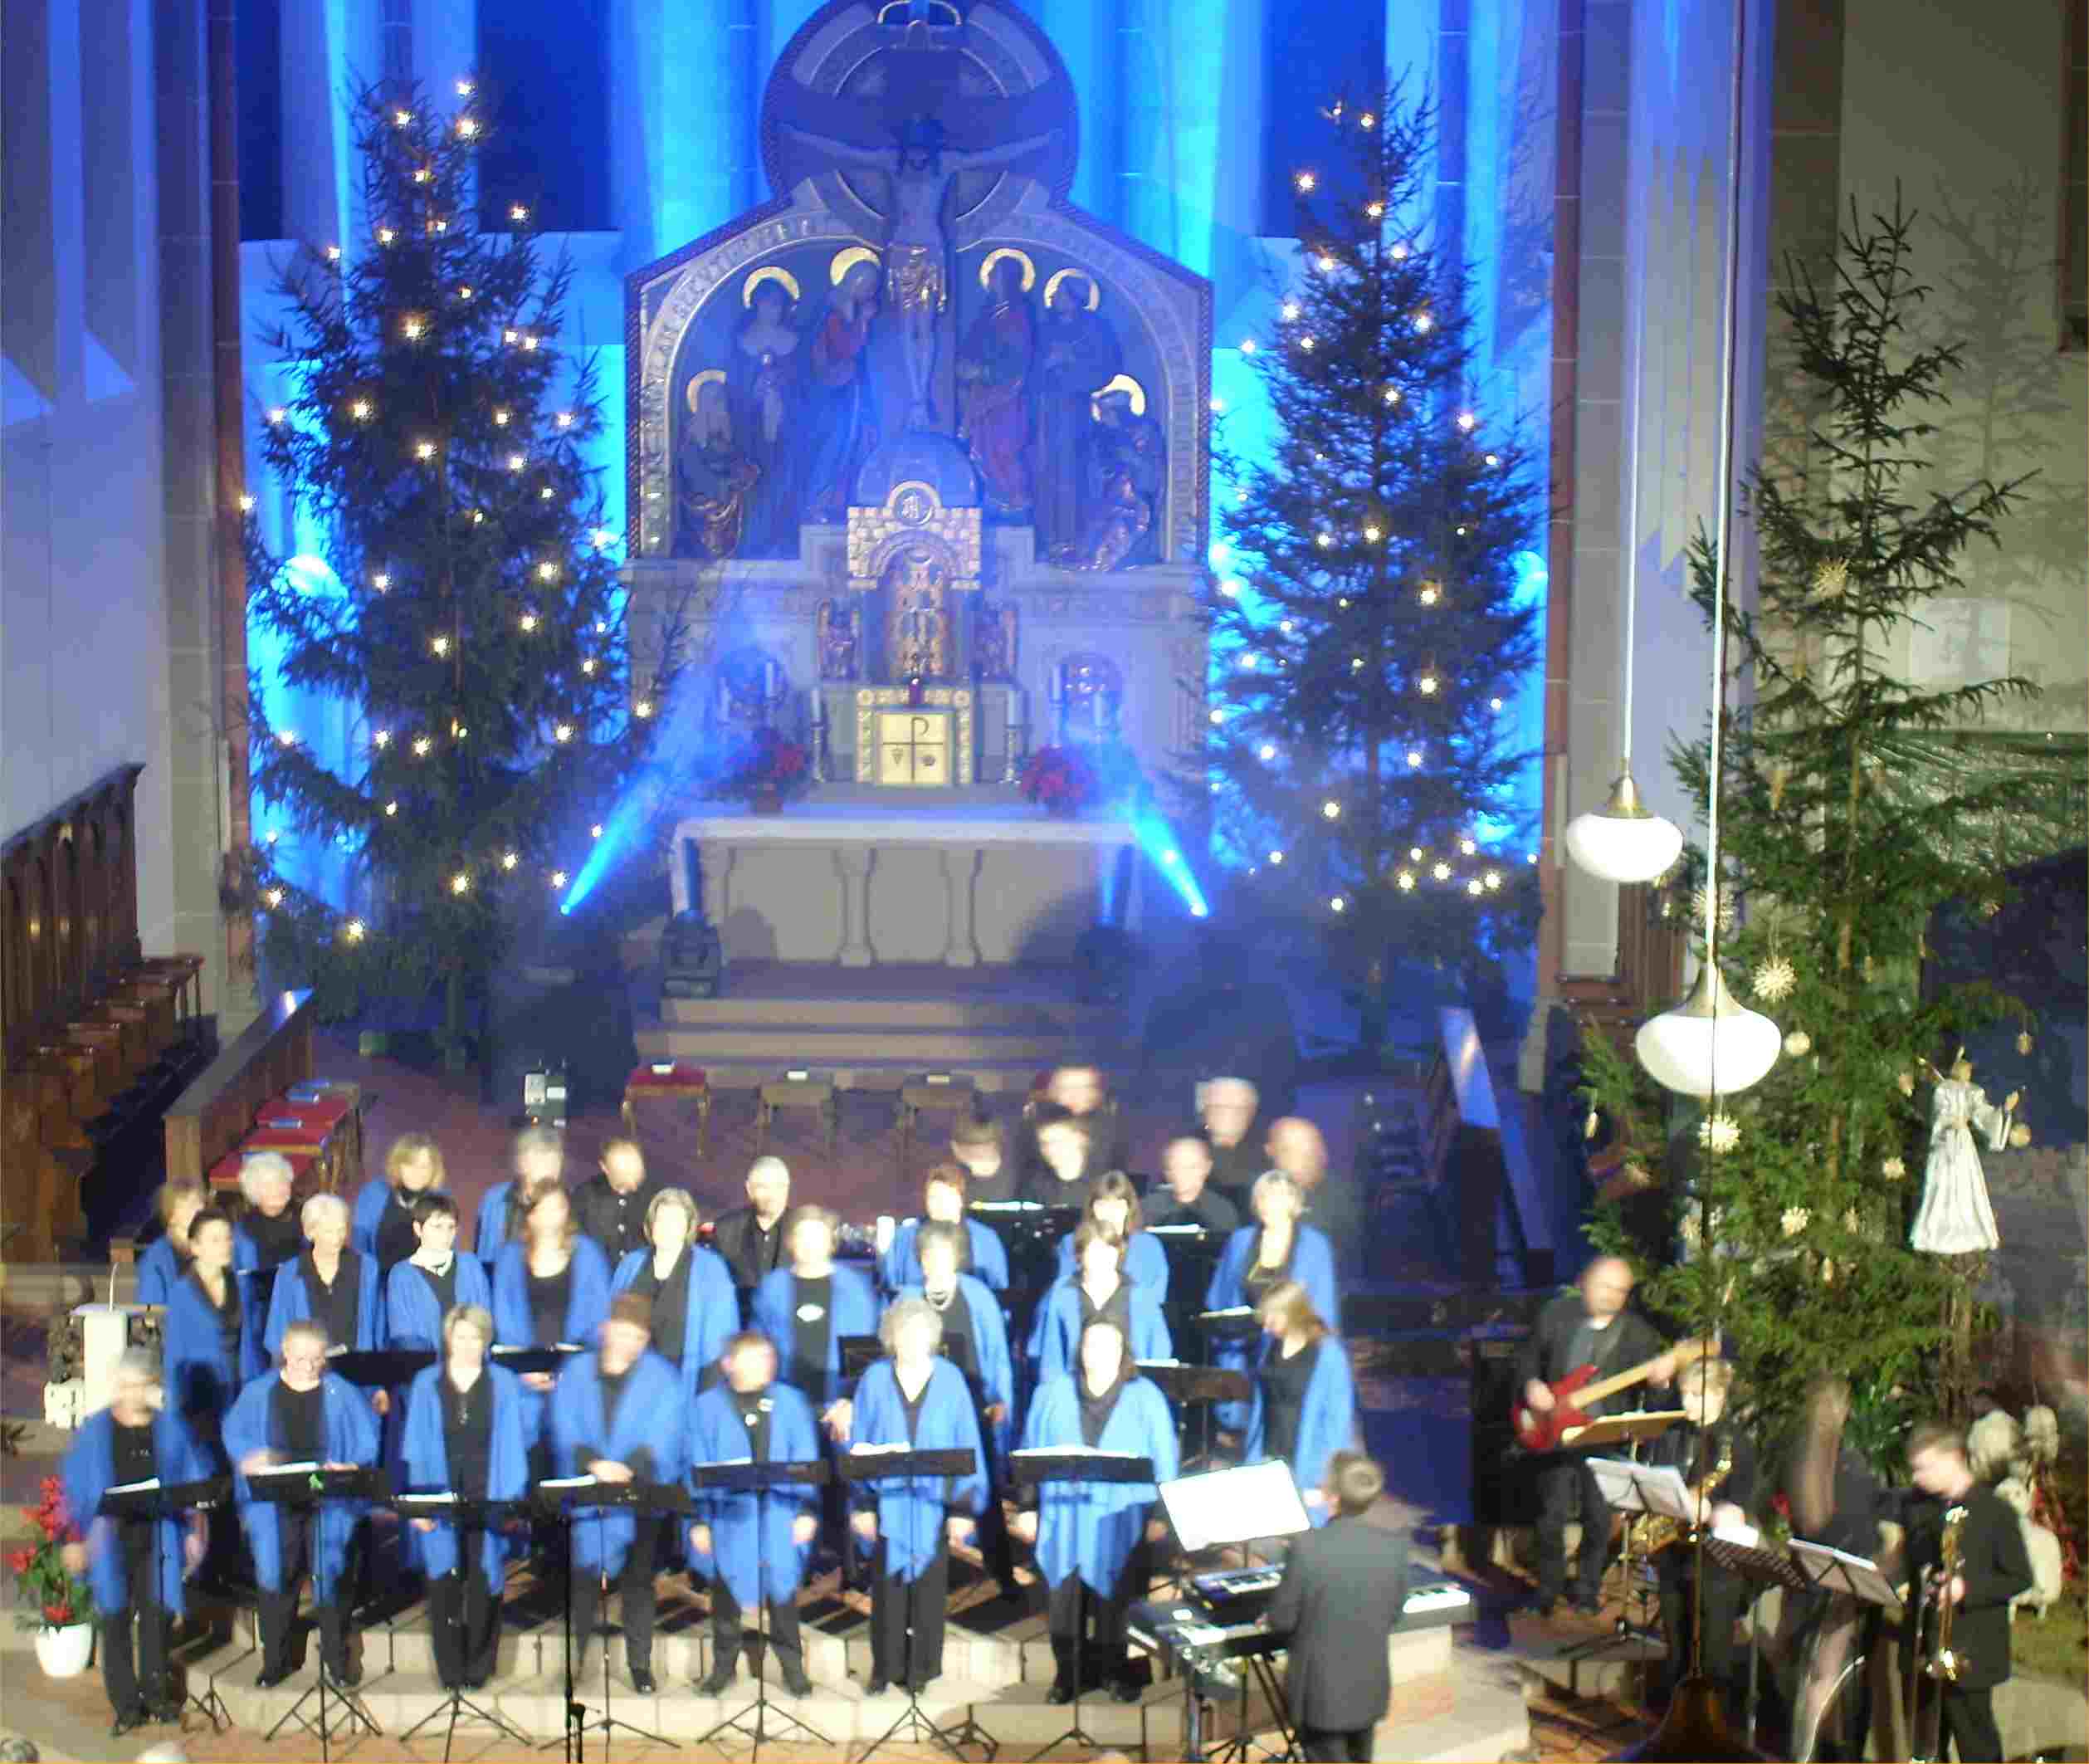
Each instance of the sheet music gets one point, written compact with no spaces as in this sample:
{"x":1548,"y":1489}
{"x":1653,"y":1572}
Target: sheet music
{"x":150,"y":1484}
{"x":1143,"y":1364}
{"x":1229,"y":1310}
{"x":443,"y":1497}
{"x":1222,"y":1506}
{"x":569,"y":1482}
{"x":879,"y":1451}
{"x":1637,"y":1488}
{"x":302,"y":1468}
{"x":1746,"y":1537}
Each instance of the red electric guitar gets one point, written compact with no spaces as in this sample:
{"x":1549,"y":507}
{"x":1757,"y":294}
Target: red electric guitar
{"x":1558,"y":1424}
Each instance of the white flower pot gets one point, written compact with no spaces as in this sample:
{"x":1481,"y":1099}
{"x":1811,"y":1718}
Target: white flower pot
{"x":64,"y":1653}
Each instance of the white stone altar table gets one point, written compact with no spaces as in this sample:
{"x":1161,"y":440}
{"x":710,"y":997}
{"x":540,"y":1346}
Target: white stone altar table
{"x":960,"y":883}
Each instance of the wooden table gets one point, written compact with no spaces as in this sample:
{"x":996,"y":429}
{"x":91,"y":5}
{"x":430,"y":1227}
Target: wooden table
{"x":919,"y":1096}
{"x":798,"y":1093}
{"x":687,"y":1083}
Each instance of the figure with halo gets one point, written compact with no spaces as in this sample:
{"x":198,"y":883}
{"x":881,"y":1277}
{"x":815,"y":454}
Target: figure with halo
{"x":994,"y":384}
{"x":1124,"y":466}
{"x":1955,"y":1219}
{"x":841,"y":399}
{"x":919,"y":174}
{"x":1077,"y":352}
{"x":712,"y":479}
{"x":767,"y":402}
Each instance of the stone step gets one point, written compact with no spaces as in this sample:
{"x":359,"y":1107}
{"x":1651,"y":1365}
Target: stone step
{"x":866,"y":1061}
{"x":918,"y":999}
{"x":813,"y":1041}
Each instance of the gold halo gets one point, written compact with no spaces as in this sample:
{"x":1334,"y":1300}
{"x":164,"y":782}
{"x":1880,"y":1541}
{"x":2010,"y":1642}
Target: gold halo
{"x":696,"y":383}
{"x":774,"y":272}
{"x":1095,"y":287}
{"x":847,"y":259}
{"x":1124,"y":383}
{"x":995,"y":257}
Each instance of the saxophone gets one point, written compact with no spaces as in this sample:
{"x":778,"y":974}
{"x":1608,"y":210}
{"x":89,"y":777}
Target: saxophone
{"x":1652,"y":1533}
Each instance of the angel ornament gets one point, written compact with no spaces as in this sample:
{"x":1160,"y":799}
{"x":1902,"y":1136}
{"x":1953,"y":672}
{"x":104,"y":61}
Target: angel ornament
{"x":1955,"y":1219}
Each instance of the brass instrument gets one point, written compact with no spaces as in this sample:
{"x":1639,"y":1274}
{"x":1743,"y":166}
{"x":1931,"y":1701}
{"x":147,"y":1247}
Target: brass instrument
{"x":1938,"y":1659}
{"x":1652,"y":1533}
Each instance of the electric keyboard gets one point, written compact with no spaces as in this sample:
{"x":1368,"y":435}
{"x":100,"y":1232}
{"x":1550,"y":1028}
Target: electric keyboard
{"x":1192,"y":1634}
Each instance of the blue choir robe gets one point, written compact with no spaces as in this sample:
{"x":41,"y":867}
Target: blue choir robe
{"x":1055,"y":1338}
{"x":291,"y":1302}
{"x":89,"y":1473}
{"x":1146,"y":1262}
{"x":752,"y":1549}
{"x":412,"y":1317}
{"x":351,"y":1438}
{"x":159,"y":1266}
{"x":901,"y":1265}
{"x":910,"y":1510}
{"x":853,"y":1311}
{"x":367,"y":1214}
{"x":1326,"y":1419}
{"x":1312,"y":1267}
{"x":988,"y":1331}
{"x":648,"y":1415}
{"x":709,"y":1319}
{"x":586,"y":1304}
{"x":201,"y":1380}
{"x":427,"y":1465}
{"x":490,"y":1225}
{"x":1091,"y":1528}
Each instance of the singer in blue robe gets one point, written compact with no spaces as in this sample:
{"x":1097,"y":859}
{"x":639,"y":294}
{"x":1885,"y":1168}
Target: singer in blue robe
{"x":164,"y":1261}
{"x":752,"y":1547}
{"x":921,"y":1401}
{"x":330,"y":1282}
{"x":1101,"y":1290}
{"x":489,"y":1224}
{"x":1146,"y":1262}
{"x":268,"y":1235}
{"x":299,"y":1414}
{"x":621,"y":1405}
{"x":943,"y":1190}
{"x":809,"y":1346}
{"x":209,"y":1352}
{"x":1093,"y":1539}
{"x":464,"y":1435}
{"x":1303,"y":1410}
{"x":382,"y":1223}
{"x":134,"y":1568}
{"x":1113,"y":1204}
{"x":417,"y":1298}
{"x":696,"y":1305}
{"x":1261,"y":1257}
{"x":516,"y":1323}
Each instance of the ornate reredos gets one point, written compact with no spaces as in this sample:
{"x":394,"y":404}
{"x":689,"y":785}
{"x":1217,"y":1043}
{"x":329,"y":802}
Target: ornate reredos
{"x":851,"y":72}
{"x":913,"y":519}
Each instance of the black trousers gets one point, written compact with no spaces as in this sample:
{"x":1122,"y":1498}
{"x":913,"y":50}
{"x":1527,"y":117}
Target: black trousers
{"x":898,"y":1606}
{"x":1070,"y":1600}
{"x":1968,"y":1725}
{"x":279,"y":1609}
{"x":136,"y":1684}
{"x":636,"y":1583}
{"x":1568,"y":1490}
{"x":464,"y":1619}
{"x":1724,"y":1594}
{"x":727,"y":1627}
{"x":1335,"y":1745}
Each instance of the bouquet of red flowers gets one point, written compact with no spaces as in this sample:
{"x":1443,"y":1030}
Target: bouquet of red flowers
{"x":1059,"y":779}
{"x":768,"y":764}
{"x":42,"y":1582}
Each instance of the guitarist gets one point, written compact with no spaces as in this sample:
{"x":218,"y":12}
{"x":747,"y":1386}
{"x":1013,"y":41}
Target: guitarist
{"x":1587,"y":1326}
{"x":1717,"y":1459}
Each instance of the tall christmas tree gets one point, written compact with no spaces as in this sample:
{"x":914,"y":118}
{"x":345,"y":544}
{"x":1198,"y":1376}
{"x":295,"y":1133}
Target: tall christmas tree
{"x":1369,"y":629}
{"x":436,"y":438}
{"x":1849,"y":811}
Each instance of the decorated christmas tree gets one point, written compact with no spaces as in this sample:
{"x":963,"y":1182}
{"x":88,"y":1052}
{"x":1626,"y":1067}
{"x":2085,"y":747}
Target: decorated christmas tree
{"x":435,"y":439}
{"x":1370,"y":632}
{"x":1849,"y":811}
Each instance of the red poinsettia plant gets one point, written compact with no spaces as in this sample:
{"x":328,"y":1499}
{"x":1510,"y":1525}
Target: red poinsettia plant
{"x":1059,"y":779}
{"x":43,"y":1584}
{"x":767,"y":763}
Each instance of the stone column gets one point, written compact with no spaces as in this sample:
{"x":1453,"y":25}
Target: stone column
{"x":852,"y":864}
{"x":960,"y":865}
{"x":714,"y":868}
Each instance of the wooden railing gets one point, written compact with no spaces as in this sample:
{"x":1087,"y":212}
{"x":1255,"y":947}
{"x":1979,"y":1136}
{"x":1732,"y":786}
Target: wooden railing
{"x":210,"y":1118}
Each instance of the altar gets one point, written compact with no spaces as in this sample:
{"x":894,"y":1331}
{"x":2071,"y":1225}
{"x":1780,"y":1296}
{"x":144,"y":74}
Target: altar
{"x":961,"y":884}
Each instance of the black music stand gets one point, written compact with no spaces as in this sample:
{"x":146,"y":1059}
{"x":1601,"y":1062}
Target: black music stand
{"x":874,"y":1466}
{"x":1048,"y":1463}
{"x":1217,"y":1510}
{"x":1761,"y":1569}
{"x":1200,"y":1387}
{"x":153,"y":1500}
{"x":379,"y":1368}
{"x":1630,"y":1487}
{"x":464,"y":1517}
{"x":1856,"y":1577}
{"x":758,"y":1479}
{"x":307,"y":1485}
{"x":647,"y":1501}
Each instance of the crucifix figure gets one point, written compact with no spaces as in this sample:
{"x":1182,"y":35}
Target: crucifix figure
{"x":916,"y":249}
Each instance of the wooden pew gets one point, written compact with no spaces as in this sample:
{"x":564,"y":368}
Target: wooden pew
{"x":215,"y":1113}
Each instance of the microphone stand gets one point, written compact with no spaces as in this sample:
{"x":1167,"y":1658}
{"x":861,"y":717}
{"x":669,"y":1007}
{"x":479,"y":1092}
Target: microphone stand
{"x":467,"y":1518}
{"x":308,"y":1489}
{"x":759,"y":1479}
{"x":155,"y":1501}
{"x":914,"y":1722}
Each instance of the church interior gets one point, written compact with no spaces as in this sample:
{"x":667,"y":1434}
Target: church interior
{"x":686,"y":586}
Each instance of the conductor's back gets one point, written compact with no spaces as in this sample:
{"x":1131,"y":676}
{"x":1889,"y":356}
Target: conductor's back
{"x":1344,"y":1588}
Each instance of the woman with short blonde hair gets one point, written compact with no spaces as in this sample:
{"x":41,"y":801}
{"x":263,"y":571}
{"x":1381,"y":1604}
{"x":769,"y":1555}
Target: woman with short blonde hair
{"x":1303,"y":1410}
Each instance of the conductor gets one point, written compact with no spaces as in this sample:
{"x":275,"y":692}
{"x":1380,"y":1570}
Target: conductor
{"x":1344,"y":1588}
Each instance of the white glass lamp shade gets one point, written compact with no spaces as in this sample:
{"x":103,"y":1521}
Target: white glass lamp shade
{"x":1710,"y":1042}
{"x":1623,"y":840}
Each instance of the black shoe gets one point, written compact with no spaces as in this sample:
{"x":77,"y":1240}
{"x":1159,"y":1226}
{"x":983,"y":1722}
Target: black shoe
{"x":794,"y":1679}
{"x":642,"y":1680}
{"x":1125,"y":1690}
{"x":921,"y":1681}
{"x":271,"y":1676}
{"x":1061,"y":1692}
{"x":718,"y":1680}
{"x":348,"y":1674}
{"x":1544,"y":1606}
{"x":1589,"y":1604}
{"x":877,"y":1687}
{"x":124,"y":1722}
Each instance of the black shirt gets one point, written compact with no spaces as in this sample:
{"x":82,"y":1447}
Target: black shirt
{"x":811,"y":1324}
{"x":1095,"y":1411}
{"x":1284,"y":1382}
{"x":1211,"y":1210}
{"x":1235,"y":1167}
{"x":912,"y":1404}
{"x":1117,"y":1309}
{"x":467,"y":1435}
{"x":275,"y":1240}
{"x":395,"y":1239}
{"x":755,"y":1408}
{"x":670,"y":1304}
{"x":300,"y":1422}
{"x":1549,"y":1350}
{"x":957,"y":1335}
{"x":132,"y":1458}
{"x":617,"y":1222}
{"x":338,"y":1306}
{"x":751,"y":1250}
{"x":641,"y":1460}
{"x":231,"y":1316}
{"x":1696,"y":1452}
{"x":998,"y":1184}
{"x":548,"y":1294}
{"x":443,"y":1285}
{"x":1256,"y":1279}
